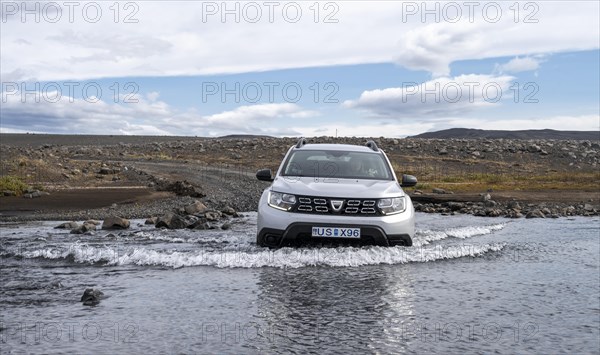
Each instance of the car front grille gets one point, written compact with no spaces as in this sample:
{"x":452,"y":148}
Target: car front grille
{"x":337,"y":206}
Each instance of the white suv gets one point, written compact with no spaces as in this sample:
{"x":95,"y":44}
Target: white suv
{"x":335,"y":192}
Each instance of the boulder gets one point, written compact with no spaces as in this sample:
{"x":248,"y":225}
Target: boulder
{"x":226,"y":226}
{"x":438,"y":191}
{"x":91,"y":297}
{"x":84,"y":228}
{"x":455,"y":206}
{"x":190,"y":219}
{"x":228,"y":210}
{"x":546,"y":211}
{"x":67,"y":225}
{"x":535,"y":214}
{"x":171,"y":221}
{"x":489,"y":203}
{"x":480,"y":213}
{"x":196,"y":207}
{"x":199,"y":223}
{"x":151,"y":220}
{"x":514,"y":205}
{"x":115,"y":223}
{"x":588,"y":207}
{"x":493,"y":212}
{"x":212,"y":215}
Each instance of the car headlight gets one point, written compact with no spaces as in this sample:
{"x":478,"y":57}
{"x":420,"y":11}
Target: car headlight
{"x":281,"y":201}
{"x":392,"y":205}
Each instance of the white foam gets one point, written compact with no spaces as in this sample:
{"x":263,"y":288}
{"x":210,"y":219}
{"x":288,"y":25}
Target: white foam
{"x":237,"y":248}
{"x":424,"y":237}
{"x":79,"y":252}
{"x":259,"y":257}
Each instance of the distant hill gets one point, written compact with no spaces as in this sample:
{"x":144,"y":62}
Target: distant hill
{"x":469,"y":133}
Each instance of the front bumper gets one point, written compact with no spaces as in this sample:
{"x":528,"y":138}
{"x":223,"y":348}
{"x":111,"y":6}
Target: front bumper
{"x":278,"y":228}
{"x":300,"y":234}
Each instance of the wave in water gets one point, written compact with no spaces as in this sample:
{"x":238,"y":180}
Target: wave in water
{"x":258,"y":257}
{"x":425,"y":237}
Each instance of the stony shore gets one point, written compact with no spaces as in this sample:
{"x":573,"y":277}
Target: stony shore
{"x":513,"y":209}
{"x":153,"y":176}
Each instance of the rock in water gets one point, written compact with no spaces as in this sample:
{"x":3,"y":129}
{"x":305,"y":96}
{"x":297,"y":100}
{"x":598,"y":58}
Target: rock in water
{"x":171,"y":221}
{"x":91,"y":297}
{"x":535,"y":214}
{"x":115,"y":223}
{"x":84,"y":228}
{"x":68,"y":225}
{"x":212,"y":215}
{"x":228,"y":210}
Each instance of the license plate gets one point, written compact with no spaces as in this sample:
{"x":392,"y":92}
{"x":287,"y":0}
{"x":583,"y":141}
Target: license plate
{"x":335,"y":232}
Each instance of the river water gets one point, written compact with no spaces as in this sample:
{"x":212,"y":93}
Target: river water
{"x":468,"y":285}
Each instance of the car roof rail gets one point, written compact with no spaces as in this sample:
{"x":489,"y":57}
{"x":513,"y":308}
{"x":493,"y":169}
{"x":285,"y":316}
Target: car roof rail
{"x":373,"y":146}
{"x":301,"y":142}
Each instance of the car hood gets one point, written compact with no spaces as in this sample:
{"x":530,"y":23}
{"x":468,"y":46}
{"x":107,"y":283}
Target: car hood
{"x":356,"y":188}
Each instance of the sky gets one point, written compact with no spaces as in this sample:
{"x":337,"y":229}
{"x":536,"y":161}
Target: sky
{"x":303,"y":68}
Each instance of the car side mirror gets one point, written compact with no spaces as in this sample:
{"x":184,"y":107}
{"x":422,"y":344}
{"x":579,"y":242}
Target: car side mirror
{"x":408,"y":181}
{"x":264,"y":175}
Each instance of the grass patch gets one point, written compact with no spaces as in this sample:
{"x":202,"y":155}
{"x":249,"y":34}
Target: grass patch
{"x":561,"y":181}
{"x":476,"y":178}
{"x":12,"y":183}
{"x":422,"y":186}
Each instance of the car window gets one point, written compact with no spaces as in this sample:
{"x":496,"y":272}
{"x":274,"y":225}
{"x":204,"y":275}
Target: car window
{"x":337,"y":164}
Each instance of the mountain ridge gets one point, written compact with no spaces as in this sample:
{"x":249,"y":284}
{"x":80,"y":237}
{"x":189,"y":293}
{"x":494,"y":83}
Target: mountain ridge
{"x":471,"y":133}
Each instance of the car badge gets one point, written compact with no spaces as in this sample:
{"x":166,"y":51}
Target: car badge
{"x":336,"y":205}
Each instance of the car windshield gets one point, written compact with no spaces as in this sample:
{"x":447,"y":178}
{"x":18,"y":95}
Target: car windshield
{"x":337,"y":165}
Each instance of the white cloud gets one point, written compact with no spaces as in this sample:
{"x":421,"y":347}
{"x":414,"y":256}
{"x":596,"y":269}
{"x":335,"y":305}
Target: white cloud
{"x":284,"y":119}
{"x":146,"y":117}
{"x":173,"y":39}
{"x":518,"y":64}
{"x":259,"y":113}
{"x":434,"y":46}
{"x":441,"y":97}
